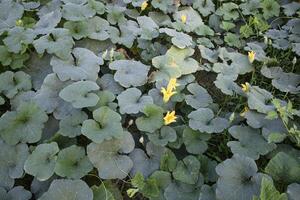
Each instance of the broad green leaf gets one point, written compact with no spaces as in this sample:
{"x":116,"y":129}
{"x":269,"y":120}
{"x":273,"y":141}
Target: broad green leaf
{"x":83,"y":65}
{"x":195,"y":141}
{"x":106,"y":125}
{"x":175,"y":63}
{"x":269,"y":192}
{"x":131,"y":101}
{"x":71,"y":125}
{"x":130,"y":72}
{"x":12,"y":83}
{"x":18,"y":38}
{"x":162,"y":137}
{"x":187,"y":170}
{"x":238,"y":174}
{"x":205,"y":7}
{"x":251,"y":143}
{"x":109,"y":156}
{"x":293,"y":191}
{"x":41,"y":162}
{"x":203,"y":120}
{"x":48,"y":22}
{"x":80,"y":94}
{"x":12,"y":159}
{"x":10,"y":12}
{"x":69,"y":190}
{"x":200,"y":97}
{"x":24,"y":125}
{"x":16,"y":193}
{"x":72,"y":163}
{"x":270,"y":8}
{"x":284,"y":167}
{"x":146,"y":162}
{"x":152,"y":120}
{"x":58,"y":42}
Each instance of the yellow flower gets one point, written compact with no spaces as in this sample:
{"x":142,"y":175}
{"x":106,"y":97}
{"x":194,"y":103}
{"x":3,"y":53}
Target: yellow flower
{"x":246,"y":87}
{"x":172,"y":84}
{"x":170,"y":117}
{"x":251,"y":56}
{"x":183,"y":18}
{"x":167,"y":94}
{"x":144,"y":5}
{"x":19,"y":22}
{"x":246,"y":109}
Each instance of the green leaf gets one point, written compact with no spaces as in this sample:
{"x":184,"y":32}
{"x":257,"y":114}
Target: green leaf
{"x":233,"y":40}
{"x":179,"y":39}
{"x":284,"y":168}
{"x":269,"y":192}
{"x":168,"y":161}
{"x":12,"y":159}
{"x":227,"y":25}
{"x":106,"y":191}
{"x":193,"y":20}
{"x":203,"y":119}
{"x":149,"y":29}
{"x":48,"y":22}
{"x":251,"y":143}
{"x":70,"y":189}
{"x":24,"y":125}
{"x":130,"y":72}
{"x":80,"y":94}
{"x":200,"y":97}
{"x":77,"y":12}
{"x":10,"y":12}
{"x":78,"y":29}
{"x":195,"y":141}
{"x":187,"y":170}
{"x":71,"y":125}
{"x":42,"y":161}
{"x":98,"y":28}
{"x":270,"y":8}
{"x":58,"y":42}
{"x":12,"y":83}
{"x":228,"y":11}
{"x":175,"y":63}
{"x":83,"y":65}
{"x":146,"y":162}
{"x":18,"y":38}
{"x":238,"y":174}
{"x":109,"y":157}
{"x":246,"y":31}
{"x":258,"y":100}
{"x":72,"y":163}
{"x":16,"y":193}
{"x":131,"y":101}
{"x":205,"y":7}
{"x":162,"y":137}
{"x":293,"y":191}
{"x":152,"y":120}
{"x":105,"y":125}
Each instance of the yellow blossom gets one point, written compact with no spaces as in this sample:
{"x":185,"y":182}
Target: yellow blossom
{"x":167,"y":94}
{"x":251,"y":56}
{"x":144,"y":5}
{"x":183,"y":18}
{"x":246,"y":109}
{"x":19,"y":22}
{"x":245,"y":87}
{"x":170,"y":117}
{"x":172,"y":84}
